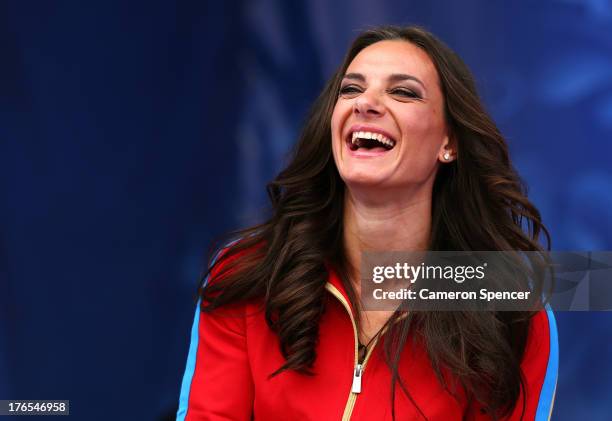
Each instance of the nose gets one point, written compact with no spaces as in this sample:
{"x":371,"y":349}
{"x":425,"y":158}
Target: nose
{"x":368,"y":105}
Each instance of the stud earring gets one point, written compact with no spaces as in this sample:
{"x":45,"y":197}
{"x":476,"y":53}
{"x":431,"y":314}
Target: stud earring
{"x":446,"y":156}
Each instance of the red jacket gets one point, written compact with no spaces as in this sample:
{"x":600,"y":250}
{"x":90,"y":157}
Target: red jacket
{"x":230,"y":359}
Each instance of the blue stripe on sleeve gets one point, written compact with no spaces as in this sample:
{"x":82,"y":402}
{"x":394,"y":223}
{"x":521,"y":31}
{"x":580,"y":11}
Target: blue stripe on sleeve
{"x":547,"y":394}
{"x":193,"y":351}
{"x":190,"y":368}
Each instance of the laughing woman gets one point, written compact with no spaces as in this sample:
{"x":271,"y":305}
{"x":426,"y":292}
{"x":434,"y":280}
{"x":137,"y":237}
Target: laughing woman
{"x":397,"y":154}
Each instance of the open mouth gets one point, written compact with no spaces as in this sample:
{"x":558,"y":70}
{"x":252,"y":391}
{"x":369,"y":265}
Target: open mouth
{"x":370,"y":141}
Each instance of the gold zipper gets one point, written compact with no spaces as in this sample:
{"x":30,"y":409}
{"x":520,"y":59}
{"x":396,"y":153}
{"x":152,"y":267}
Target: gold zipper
{"x":358,"y":369}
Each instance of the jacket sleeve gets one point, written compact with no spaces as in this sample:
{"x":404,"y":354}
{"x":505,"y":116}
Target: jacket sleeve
{"x":217,"y":384}
{"x":540,"y":367}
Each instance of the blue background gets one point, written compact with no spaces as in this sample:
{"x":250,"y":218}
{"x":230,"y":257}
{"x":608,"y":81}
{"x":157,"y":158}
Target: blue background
{"x":131,"y":133}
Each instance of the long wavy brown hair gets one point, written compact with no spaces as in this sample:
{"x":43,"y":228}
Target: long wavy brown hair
{"x":479,"y":203}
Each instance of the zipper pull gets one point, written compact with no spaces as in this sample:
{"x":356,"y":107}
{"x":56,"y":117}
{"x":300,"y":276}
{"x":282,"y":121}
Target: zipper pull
{"x":357,"y":379}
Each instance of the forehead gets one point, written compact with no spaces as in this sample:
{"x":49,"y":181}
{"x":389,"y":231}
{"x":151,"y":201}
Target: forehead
{"x":394,"y":56}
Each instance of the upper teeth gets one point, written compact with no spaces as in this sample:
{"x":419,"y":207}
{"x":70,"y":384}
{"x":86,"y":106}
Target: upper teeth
{"x":370,"y":135}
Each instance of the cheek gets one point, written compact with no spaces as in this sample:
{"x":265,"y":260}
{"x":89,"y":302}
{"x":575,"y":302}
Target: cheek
{"x":423,"y":134}
{"x":336,"y":120}
{"x":335,"y":133}
{"x":423,"y":129}
{"x":417,"y":121}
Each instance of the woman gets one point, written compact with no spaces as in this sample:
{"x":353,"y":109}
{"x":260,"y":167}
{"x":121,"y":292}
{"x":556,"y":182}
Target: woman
{"x":397,"y":154}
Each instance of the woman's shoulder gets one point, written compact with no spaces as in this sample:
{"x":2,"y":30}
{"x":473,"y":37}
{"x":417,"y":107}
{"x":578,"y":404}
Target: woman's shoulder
{"x":540,"y":364}
{"x":543,"y":330}
{"x":228,"y":258}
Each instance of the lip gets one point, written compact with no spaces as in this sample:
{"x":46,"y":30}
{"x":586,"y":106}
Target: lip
{"x":365,"y":153}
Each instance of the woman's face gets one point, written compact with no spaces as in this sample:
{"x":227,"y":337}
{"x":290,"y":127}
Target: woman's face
{"x":388,"y":127}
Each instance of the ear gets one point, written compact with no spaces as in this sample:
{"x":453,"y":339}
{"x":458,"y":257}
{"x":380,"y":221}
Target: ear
{"x":447,"y":151}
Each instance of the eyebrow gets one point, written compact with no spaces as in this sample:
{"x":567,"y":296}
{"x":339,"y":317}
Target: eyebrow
{"x":395,"y":77}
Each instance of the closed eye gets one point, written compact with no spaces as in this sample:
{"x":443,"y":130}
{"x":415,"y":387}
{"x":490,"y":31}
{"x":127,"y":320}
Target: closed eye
{"x":406,"y":93}
{"x":350,"y":90}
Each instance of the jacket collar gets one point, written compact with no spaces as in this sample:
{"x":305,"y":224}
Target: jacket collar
{"x":334,"y":282}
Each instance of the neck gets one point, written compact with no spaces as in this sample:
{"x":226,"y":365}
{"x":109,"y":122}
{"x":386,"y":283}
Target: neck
{"x":401,"y":224}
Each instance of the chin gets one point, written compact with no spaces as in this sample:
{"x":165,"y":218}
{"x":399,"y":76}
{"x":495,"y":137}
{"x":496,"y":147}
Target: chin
{"x":362,"y":180}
